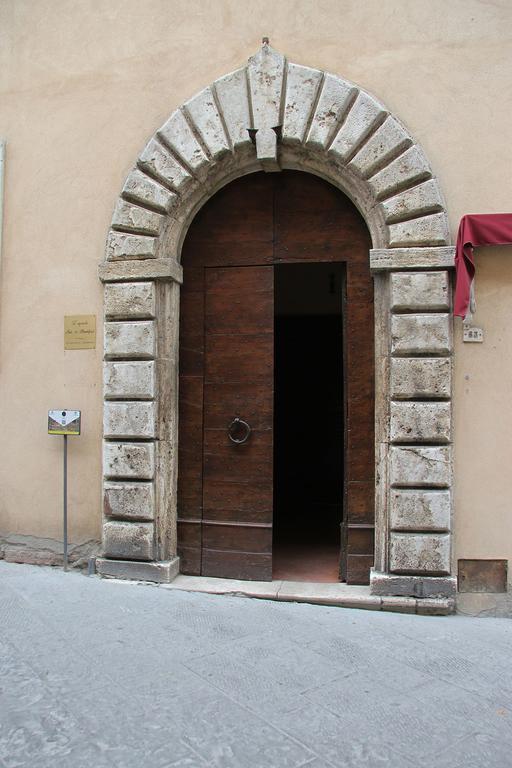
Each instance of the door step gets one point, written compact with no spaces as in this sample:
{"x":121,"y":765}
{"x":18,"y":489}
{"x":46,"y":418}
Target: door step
{"x":338,"y":594}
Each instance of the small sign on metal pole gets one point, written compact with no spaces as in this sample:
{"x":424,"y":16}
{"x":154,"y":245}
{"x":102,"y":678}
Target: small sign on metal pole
{"x":64,"y":422}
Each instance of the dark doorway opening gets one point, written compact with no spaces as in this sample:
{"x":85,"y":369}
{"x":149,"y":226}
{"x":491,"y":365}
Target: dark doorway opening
{"x":308,"y":421}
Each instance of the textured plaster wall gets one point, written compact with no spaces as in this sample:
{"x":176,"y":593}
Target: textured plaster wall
{"x":483,"y":417}
{"x":84,"y":84}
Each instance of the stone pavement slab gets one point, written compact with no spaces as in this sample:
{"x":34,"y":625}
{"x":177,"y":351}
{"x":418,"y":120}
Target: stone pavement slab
{"x":114,"y":674}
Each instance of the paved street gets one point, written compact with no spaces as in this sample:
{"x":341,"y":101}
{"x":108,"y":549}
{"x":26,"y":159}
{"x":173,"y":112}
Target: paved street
{"x":101,"y":673}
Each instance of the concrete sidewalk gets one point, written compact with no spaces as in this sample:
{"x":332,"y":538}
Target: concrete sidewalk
{"x":108,"y":674}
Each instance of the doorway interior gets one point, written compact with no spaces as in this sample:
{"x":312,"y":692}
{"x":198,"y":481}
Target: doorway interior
{"x":309,"y":421}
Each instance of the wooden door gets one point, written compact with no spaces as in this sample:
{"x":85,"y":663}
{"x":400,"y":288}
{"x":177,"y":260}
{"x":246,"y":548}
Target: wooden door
{"x":226,"y":338}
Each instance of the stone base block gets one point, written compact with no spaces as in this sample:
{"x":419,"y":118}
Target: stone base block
{"x":385,"y":584}
{"x":435,"y":606}
{"x":162,"y":572}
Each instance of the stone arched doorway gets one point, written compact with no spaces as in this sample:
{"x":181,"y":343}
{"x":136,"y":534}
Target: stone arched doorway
{"x":269,"y":116}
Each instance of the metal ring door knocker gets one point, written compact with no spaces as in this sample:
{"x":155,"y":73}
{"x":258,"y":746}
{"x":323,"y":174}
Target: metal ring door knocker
{"x":239,"y":431}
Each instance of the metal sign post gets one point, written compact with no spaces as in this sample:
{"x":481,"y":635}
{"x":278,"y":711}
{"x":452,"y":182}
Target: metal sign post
{"x":64,"y":422}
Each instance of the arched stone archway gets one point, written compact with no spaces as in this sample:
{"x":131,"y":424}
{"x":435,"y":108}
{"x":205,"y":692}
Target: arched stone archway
{"x":270,"y":115}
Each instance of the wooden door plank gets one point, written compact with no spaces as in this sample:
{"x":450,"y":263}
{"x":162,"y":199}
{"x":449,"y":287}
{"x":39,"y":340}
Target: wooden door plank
{"x":238,"y":376}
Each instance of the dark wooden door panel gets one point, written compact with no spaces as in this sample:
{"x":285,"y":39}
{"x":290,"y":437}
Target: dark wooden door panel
{"x":257,"y":406}
{"x":253,"y":566}
{"x":238,"y":374}
{"x":246,"y":500}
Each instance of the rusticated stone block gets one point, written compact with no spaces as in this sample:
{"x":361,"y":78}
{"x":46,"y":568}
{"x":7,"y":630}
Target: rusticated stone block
{"x":130,"y":541}
{"x":132,"y":501}
{"x":409,"y":168}
{"x":419,"y":510}
{"x":426,"y":230}
{"x":133,"y":218}
{"x":132,"y":381}
{"x":388,"y":141}
{"x":419,"y":553}
{"x":130,"y":340}
{"x":421,"y":334}
{"x":158,"y":161}
{"x":130,"y":460}
{"x":419,"y":200}
{"x":365,"y":112}
{"x":301,"y":88}
{"x":335,"y":98}
{"x":420,"y":377}
{"x":146,"y":191}
{"x":420,"y":422}
{"x":177,"y":133}
{"x":420,"y":466}
{"x":135,"y":301}
{"x":232,"y":95}
{"x":129,"y":419}
{"x":121,"y":246}
{"x":420,"y":291}
{"x":203,"y":111}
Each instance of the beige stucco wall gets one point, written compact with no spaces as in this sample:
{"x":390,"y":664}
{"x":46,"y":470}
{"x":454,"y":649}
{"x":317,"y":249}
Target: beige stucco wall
{"x":83,"y":85}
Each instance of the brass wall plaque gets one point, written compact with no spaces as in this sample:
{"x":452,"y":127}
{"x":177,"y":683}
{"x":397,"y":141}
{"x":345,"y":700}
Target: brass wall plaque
{"x":80,"y":332}
{"x":483,"y":575}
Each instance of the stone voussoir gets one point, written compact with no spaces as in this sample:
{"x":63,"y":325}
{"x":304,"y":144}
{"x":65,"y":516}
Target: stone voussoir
{"x":409,"y":169}
{"x":302,"y":84}
{"x":122,"y":246}
{"x":144,"y":190}
{"x":363,"y":116}
{"x":177,"y":134}
{"x":134,"y":218}
{"x":420,"y":200}
{"x":204,"y":113}
{"x":425,"y":230}
{"x":388,"y":141}
{"x":335,"y":98}
{"x":233,"y":98}
{"x":156,"y":159}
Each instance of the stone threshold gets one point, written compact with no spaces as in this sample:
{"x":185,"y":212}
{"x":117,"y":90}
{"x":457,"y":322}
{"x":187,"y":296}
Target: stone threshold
{"x":336,"y":594}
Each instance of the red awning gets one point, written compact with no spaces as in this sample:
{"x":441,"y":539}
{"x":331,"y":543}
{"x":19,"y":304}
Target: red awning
{"x":476,"y":229}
